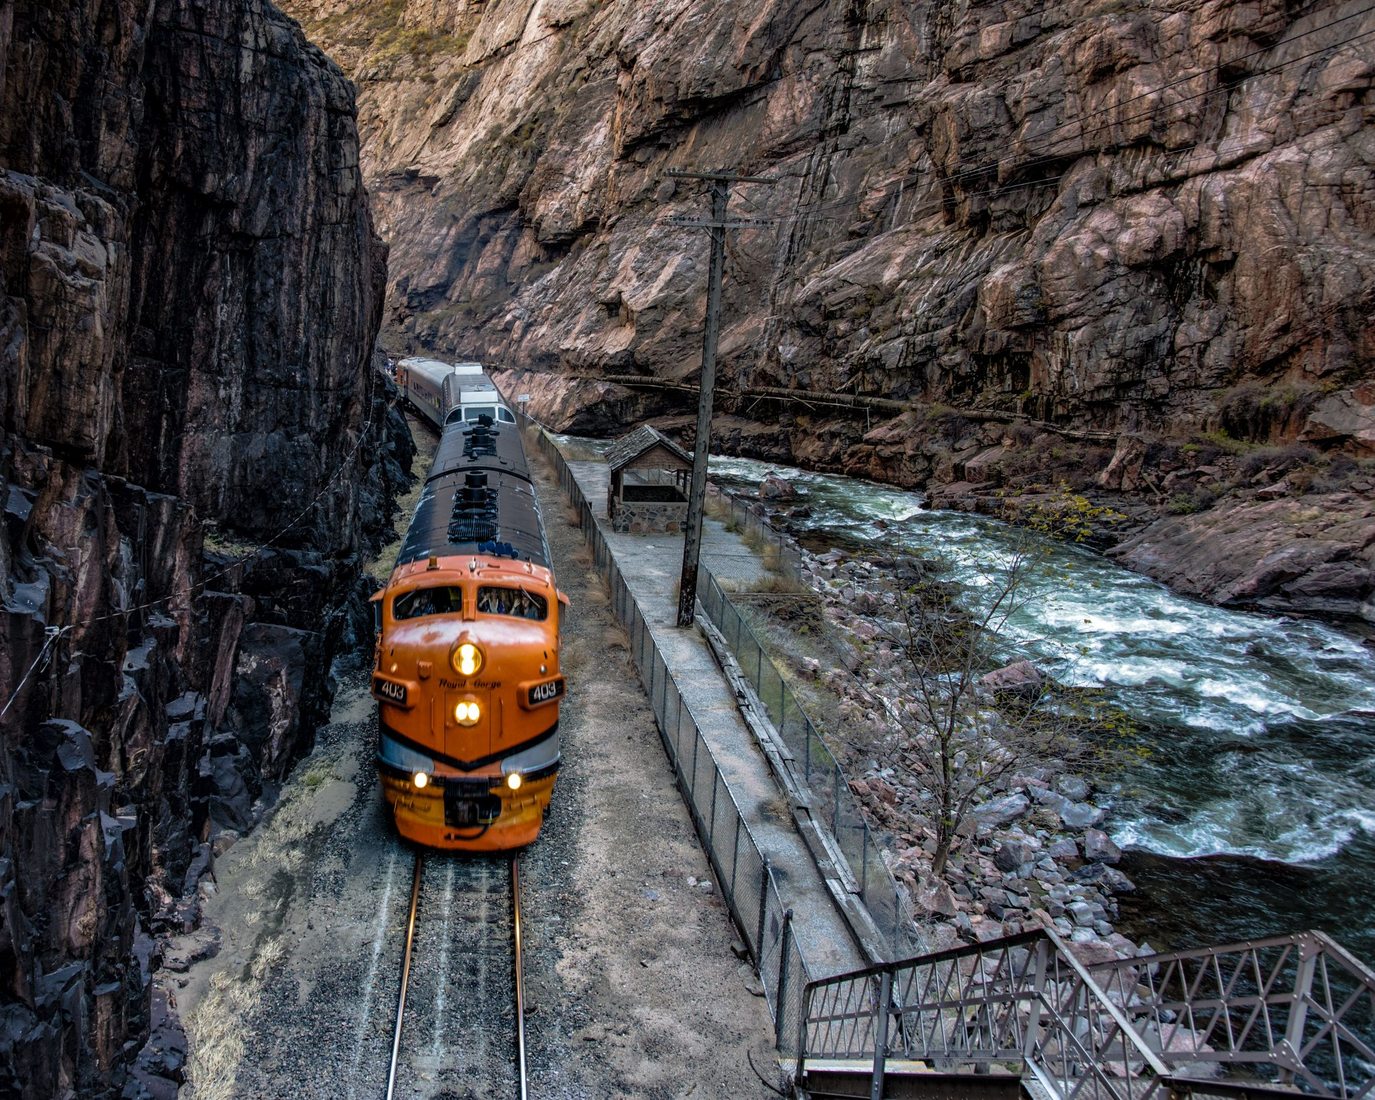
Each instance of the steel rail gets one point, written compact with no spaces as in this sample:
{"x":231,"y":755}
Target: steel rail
{"x":406,"y":975}
{"x":519,"y":979}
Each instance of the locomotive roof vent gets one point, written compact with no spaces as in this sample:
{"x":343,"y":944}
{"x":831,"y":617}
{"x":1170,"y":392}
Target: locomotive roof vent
{"x":481,"y":440}
{"x":474,"y":517}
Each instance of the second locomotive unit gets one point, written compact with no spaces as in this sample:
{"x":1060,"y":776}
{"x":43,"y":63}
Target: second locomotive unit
{"x":467,"y":666}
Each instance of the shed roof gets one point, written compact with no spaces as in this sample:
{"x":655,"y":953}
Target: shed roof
{"x":643,"y":439}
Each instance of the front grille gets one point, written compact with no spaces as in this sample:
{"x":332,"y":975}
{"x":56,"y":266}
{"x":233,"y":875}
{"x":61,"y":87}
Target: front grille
{"x":470,"y":802}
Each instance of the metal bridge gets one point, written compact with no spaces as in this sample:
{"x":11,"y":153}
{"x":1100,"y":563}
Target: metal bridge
{"x":1286,"y":1015}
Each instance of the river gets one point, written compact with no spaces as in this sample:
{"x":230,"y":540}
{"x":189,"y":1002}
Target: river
{"x":1253,"y":809}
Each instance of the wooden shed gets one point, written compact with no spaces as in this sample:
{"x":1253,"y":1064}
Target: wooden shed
{"x":649,"y":483}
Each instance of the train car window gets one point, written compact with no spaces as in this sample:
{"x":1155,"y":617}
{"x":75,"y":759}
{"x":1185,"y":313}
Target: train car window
{"x":472,"y":412}
{"x":446,"y":599}
{"x":517,"y":602}
{"x":504,"y":415}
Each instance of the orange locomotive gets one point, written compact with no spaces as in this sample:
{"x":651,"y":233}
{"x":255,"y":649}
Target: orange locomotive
{"x":467,"y":671}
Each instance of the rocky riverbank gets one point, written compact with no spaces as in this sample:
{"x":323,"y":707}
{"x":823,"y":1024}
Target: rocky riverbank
{"x":1031,"y":852}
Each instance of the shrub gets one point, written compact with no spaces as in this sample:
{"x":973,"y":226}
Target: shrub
{"x":1257,"y":411}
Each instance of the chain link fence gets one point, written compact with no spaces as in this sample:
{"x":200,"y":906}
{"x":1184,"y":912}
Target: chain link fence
{"x":834,"y":805}
{"x":750,"y":518}
{"x":742,"y":871}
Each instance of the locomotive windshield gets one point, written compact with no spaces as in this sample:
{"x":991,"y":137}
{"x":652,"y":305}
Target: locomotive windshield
{"x":441,"y":600}
{"x":512,"y":601}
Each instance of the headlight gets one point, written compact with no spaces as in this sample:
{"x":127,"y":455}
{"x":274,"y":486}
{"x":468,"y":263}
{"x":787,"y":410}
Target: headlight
{"x":421,"y":780}
{"x":467,"y":714}
{"x":514,"y":781}
{"x":467,"y":659}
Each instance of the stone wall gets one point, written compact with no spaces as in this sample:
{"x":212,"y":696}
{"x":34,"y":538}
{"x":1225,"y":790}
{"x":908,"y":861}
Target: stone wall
{"x":189,"y":292}
{"x":646,"y":518}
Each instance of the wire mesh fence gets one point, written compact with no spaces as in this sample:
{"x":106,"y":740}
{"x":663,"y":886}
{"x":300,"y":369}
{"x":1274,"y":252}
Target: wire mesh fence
{"x":834,"y":805}
{"x":742,"y":872}
{"x":750,"y":518}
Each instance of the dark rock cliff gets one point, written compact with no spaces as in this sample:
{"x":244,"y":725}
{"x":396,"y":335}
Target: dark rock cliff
{"x":1056,"y":231}
{"x":195,"y":453}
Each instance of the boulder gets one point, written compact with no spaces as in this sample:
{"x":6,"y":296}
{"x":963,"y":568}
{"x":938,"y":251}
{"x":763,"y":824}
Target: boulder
{"x":774,"y":487}
{"x":932,"y":898}
{"x":1012,"y":855}
{"x":1099,"y":847}
{"x":1001,"y":811}
{"x":1080,"y":815}
{"x":1063,"y":849}
{"x":1021,"y":677}
{"x":1124,"y":470}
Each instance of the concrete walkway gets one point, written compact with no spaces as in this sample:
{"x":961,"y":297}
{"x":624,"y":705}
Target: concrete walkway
{"x":650,"y":565}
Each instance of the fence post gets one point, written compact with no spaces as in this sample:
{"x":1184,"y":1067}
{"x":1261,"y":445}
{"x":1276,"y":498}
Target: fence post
{"x":735,"y":860}
{"x":663,"y":690}
{"x":783,"y":952}
{"x":835,"y":805}
{"x":1038,"y":985}
{"x":864,"y":859}
{"x":897,"y":921}
{"x":763,"y":906}
{"x":1298,"y":1015}
{"x":881,"y":1036}
{"x":711,"y":823}
{"x":692,"y":780}
{"x":678,"y":731}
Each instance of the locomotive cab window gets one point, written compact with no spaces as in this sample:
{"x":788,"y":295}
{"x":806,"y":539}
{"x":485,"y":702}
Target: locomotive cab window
{"x":517,"y":602}
{"x":472,"y":412}
{"x":504,"y":415}
{"x":446,"y":599}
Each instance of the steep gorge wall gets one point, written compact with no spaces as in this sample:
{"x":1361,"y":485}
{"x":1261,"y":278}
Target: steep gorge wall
{"x":1142,"y":219}
{"x":1102,"y":214}
{"x":190,"y":288}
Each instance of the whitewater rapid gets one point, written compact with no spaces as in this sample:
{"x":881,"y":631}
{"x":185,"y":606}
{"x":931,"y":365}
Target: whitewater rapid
{"x":1259,"y":730}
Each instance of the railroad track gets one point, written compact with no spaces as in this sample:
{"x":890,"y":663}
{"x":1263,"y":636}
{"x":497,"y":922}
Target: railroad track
{"x":460,"y":1013}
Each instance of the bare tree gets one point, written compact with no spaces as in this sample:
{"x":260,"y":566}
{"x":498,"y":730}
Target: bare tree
{"x":962,"y":736}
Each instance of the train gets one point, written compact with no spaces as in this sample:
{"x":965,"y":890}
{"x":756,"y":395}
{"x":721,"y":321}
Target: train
{"x":466,"y":673}
{"x":441,"y":391}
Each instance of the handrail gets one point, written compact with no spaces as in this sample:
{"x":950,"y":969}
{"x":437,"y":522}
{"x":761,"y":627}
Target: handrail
{"x":1122,"y":1030}
{"x":1299,"y":1007}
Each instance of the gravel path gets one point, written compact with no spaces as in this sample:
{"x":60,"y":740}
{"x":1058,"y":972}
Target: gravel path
{"x":632,"y":986}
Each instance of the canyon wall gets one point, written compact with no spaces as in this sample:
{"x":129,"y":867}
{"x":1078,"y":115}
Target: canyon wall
{"x":1111,"y":222}
{"x":195,"y":454}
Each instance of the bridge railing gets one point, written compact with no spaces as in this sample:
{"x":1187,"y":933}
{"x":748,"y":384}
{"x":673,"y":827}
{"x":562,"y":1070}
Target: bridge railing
{"x":1018,"y":1004}
{"x":1291,"y":1014}
{"x":1294,"y":1012}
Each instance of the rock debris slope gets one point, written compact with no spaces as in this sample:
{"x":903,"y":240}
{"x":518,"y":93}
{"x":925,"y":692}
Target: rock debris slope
{"x":1131,"y":219}
{"x":190,"y":288}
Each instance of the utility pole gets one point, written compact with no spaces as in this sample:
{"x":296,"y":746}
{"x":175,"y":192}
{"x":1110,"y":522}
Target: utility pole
{"x":692,"y":537}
